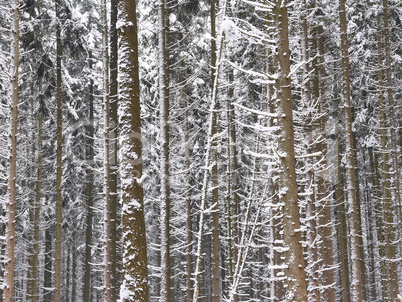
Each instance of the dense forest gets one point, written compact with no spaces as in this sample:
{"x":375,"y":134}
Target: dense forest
{"x":200,"y":150}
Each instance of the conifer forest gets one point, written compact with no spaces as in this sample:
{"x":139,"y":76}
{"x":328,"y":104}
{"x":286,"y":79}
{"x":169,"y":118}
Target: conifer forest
{"x":200,"y":150}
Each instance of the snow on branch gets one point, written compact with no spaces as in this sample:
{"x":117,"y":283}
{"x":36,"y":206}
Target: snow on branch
{"x":296,"y":68}
{"x":309,"y":155}
{"x":253,"y":73}
{"x":258,"y":112}
{"x":260,"y":6}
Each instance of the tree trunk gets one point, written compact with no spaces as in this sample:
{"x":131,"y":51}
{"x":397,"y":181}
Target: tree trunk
{"x":296,"y":286}
{"x":375,"y":291}
{"x":165,"y":295}
{"x":107,"y":172}
{"x":209,"y":157}
{"x":324,"y":190}
{"x":135,"y":284}
{"x":90,"y":190}
{"x":388,"y":149}
{"x":215,"y":269}
{"x":354,"y":223}
{"x":113,"y":152}
{"x":393,"y":287}
{"x":342,"y":220}
{"x":233,"y":180}
{"x":311,"y":210}
{"x":8,"y":291}
{"x":47,"y":282}
{"x":33,"y":293}
{"x":189,"y":220}
{"x":59,"y":160}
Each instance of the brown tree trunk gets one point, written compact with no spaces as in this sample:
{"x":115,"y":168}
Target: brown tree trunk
{"x":8,"y":290}
{"x":296,"y":286}
{"x":233,"y":180}
{"x":107,"y":128}
{"x":33,"y":293}
{"x":324,"y":191}
{"x":90,"y":190}
{"x":215,"y":270}
{"x":354,"y":222}
{"x":135,"y":285}
{"x":59,"y":160}
{"x":388,"y":149}
{"x":47,"y":282}
{"x":344,"y":273}
{"x":113,"y":142}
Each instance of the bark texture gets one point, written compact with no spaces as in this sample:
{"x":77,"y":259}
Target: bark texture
{"x":135,"y":284}
{"x":8,"y":291}
{"x":296,"y":286}
{"x":352,"y":198}
{"x":59,"y":159}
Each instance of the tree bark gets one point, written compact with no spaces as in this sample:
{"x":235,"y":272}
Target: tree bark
{"x":165,"y":295}
{"x":107,"y":172}
{"x":8,"y":291}
{"x":33,"y":293}
{"x":113,"y":142}
{"x":352,"y":200}
{"x":215,"y":270}
{"x":388,"y":149}
{"x":90,"y":190}
{"x":324,"y":190}
{"x":296,"y":286}
{"x":47,"y":282}
{"x":59,"y":160}
{"x":135,"y":285}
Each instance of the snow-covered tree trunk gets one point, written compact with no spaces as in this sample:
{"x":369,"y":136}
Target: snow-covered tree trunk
{"x":296,"y":285}
{"x":324,"y":195}
{"x":33,"y":282}
{"x":233,"y":181}
{"x":164,"y":156}
{"x":215,"y":270}
{"x":189,"y":221}
{"x":8,"y":290}
{"x":311,"y":210}
{"x":106,"y":107}
{"x":90,"y":189}
{"x":59,"y":160}
{"x":389,"y":154}
{"x":342,"y":236}
{"x":352,"y":198}
{"x":115,"y":218}
{"x":135,"y":283}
